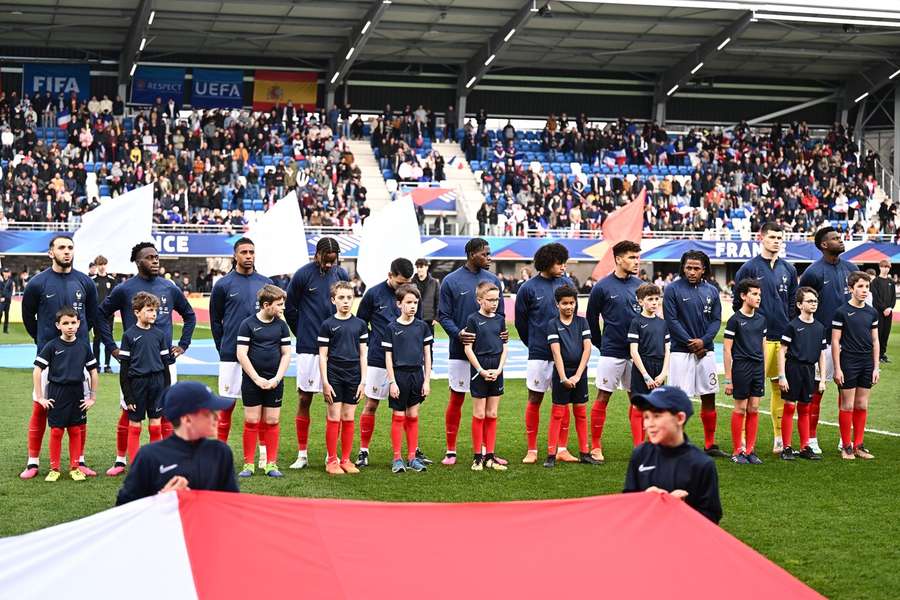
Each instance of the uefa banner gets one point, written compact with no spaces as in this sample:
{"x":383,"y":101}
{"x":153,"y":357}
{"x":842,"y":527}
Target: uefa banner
{"x":217,"y":88}
{"x":57,"y":79}
{"x":274,"y":87}
{"x":150,"y":83}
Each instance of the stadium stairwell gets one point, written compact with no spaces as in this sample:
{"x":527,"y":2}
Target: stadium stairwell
{"x":461,"y":177}
{"x":377,"y":194}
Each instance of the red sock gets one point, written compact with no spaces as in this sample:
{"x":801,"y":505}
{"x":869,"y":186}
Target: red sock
{"x":224,"y":426}
{"x":122,"y":434}
{"x":56,"y":435}
{"x":452,"y":418}
{"x":636,"y":418}
{"x":532,"y":423}
{"x":752,"y":428}
{"x":166,"y":428}
{"x":134,"y":440}
{"x":814,"y":413}
{"x":737,"y":428}
{"x":302,"y":424}
{"x":251,"y":433}
{"x":155,"y":432}
{"x":397,"y":422}
{"x":273,"y":435}
{"x":263,"y":432}
{"x":83,"y":439}
{"x":332,"y":433}
{"x":598,"y":420}
{"x":580,"y":411}
{"x":803,"y":423}
{"x":37,"y":424}
{"x":490,"y":434}
{"x":787,"y":424}
{"x":845,"y":422}
{"x":859,"y":426}
{"x":708,"y":417}
{"x":412,"y":436}
{"x":556,"y":417}
{"x":477,"y":434}
{"x":74,"y":445}
{"x":564,"y":430}
{"x":347,"y":431}
{"x":366,"y":429}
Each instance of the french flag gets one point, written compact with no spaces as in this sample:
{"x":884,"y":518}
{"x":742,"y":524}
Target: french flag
{"x":64,"y":118}
{"x":854,"y":203}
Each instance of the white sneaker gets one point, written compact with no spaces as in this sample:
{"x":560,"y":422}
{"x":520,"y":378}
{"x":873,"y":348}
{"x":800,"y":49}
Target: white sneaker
{"x":262,"y":457}
{"x":814,"y":446}
{"x":778,"y":446}
{"x":301,"y":463}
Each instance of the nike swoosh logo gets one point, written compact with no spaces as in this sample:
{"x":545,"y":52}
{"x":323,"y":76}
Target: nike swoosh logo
{"x":399,"y":332}
{"x":644,"y":469}
{"x":257,"y":328}
{"x":480,"y":323}
{"x":59,"y":352}
{"x":313,"y":289}
{"x":463,"y":293}
{"x":613,"y":297}
{"x":743,"y":323}
{"x":138,"y":337}
{"x":826,"y":282}
{"x":50,"y":295}
{"x":801,"y":328}
{"x":686,"y":299}
{"x":539,"y":298}
{"x":850,"y":314}
{"x":163,"y":469}
{"x":233,"y":295}
{"x":643,"y":326}
{"x":335,"y":328}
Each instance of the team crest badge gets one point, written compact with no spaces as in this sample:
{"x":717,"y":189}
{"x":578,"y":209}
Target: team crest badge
{"x":78,"y":294}
{"x":605,"y":380}
{"x":374,"y":388}
{"x":461,"y":382}
{"x":309,"y":381}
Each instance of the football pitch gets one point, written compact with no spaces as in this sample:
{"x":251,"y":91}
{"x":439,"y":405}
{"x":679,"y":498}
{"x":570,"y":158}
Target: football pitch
{"x":833,"y":524}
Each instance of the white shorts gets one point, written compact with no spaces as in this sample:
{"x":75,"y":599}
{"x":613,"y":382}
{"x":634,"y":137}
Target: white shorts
{"x":613,"y":373}
{"x":459,"y":374}
{"x":230,"y":376}
{"x":696,"y":376}
{"x":309,"y":379}
{"x":377,"y":386}
{"x":829,"y":366}
{"x":173,"y":379}
{"x":539,"y":375}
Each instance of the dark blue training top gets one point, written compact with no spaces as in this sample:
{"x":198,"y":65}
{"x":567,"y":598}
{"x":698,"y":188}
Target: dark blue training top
{"x":378,"y":307}
{"x":831,"y":283}
{"x":309,"y":303}
{"x":47,"y":292}
{"x":535,"y":305}
{"x":570,"y":339}
{"x":342,"y":337}
{"x":67,"y":360}
{"x":457,"y":301}
{"x":778,"y":290}
{"x":748,"y":334}
{"x":614,"y":300}
{"x":651,"y":335}
{"x":487,"y":333}
{"x":407,"y":343}
{"x":170,"y":298}
{"x":145,"y":350}
{"x":856,"y":325}
{"x":805,"y":341}
{"x":692,"y":311}
{"x":265,"y":341}
{"x":233,"y":299}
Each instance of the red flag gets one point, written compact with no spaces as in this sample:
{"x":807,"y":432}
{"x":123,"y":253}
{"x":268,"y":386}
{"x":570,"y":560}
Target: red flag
{"x":625,"y":223}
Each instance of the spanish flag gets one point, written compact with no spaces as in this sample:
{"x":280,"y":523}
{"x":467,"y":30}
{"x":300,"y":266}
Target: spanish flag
{"x":271,"y":87}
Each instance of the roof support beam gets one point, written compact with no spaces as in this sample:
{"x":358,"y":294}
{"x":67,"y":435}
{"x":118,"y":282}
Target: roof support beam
{"x":791,"y":109}
{"x":351,"y":49}
{"x":871,"y":81}
{"x":135,"y":40}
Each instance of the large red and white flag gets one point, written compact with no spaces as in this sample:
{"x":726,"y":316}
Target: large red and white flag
{"x":624,"y":223}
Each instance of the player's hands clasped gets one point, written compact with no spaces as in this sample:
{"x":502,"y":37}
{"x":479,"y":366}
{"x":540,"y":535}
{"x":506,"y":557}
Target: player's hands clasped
{"x":569,"y":383}
{"x":176,"y":351}
{"x":176,"y":483}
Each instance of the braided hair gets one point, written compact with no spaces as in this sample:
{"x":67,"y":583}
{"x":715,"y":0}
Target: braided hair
{"x":325,"y":246}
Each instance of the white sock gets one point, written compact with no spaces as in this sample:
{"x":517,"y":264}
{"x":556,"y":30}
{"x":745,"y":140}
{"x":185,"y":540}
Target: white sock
{"x":483,"y":449}
{"x":363,"y":449}
{"x":34,"y":460}
{"x":302,"y":454}
{"x":121,"y":459}
{"x":81,"y":458}
{"x":561,"y":449}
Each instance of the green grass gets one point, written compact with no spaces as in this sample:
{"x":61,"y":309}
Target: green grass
{"x":832,"y":524}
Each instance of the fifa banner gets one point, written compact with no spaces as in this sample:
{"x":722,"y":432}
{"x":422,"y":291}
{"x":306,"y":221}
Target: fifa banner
{"x":150,"y":83}
{"x":217,"y":88}
{"x":278,"y":87}
{"x":57,"y":79}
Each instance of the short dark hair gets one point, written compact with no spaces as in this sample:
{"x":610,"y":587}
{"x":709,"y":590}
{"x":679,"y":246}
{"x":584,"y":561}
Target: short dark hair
{"x":626,"y":246}
{"x":549,"y":255}
{"x":136,"y":249}
{"x":820,"y":235}
{"x":803,"y":291}
{"x":65,"y":311}
{"x":421,"y":262}
{"x":402,"y":267}
{"x":647,"y":289}
{"x":565,"y":291}
{"x":142,"y":299}
{"x":745,"y":285}
{"x":475,"y":245}
{"x":770,"y":226}
{"x":60,"y":236}
{"x":857,"y":276}
{"x":407,"y":288}
{"x":242,"y":241}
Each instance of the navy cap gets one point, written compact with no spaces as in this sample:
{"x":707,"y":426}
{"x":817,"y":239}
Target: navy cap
{"x":667,"y":397}
{"x":186,"y":397}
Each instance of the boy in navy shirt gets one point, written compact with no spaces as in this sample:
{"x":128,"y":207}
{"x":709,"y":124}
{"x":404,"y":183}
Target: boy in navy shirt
{"x":569,"y":337}
{"x":66,"y":357}
{"x":854,"y":347}
{"x":802,"y":347}
{"x":264,"y":352}
{"x":648,"y":338}
{"x":408,"y":363}
{"x":144,"y":373}
{"x":745,"y":336}
{"x":342,"y":364}
{"x":487,"y":355}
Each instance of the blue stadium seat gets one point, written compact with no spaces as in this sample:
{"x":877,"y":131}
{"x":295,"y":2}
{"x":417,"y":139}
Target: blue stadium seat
{"x":104,"y":190}
{"x":267,"y":161}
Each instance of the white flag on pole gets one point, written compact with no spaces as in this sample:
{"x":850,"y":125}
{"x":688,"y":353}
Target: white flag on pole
{"x":391,"y":232}
{"x":280,"y":238}
{"x":113,"y":228}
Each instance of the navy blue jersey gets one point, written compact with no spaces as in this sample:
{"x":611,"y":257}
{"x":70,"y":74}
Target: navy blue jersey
{"x":692,"y":311}
{"x":264,"y":341}
{"x":145,"y":350}
{"x":342,"y":337}
{"x":47,"y":292}
{"x":309,"y":303}
{"x":458,"y":301}
{"x":778,"y":288}
{"x":170,"y":298}
{"x":66,"y":360}
{"x":614,"y":300}
{"x":487,"y":333}
{"x":748,"y":334}
{"x":830,"y":280}
{"x":856,"y":325}
{"x":378,"y":307}
{"x":233,"y":299}
{"x":407,"y":343}
{"x":805,"y":341}
{"x":535,"y":305}
{"x":570,"y":338}
{"x":651,"y":335}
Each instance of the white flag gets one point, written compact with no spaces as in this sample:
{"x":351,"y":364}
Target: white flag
{"x":113,"y":228}
{"x":280,"y":239}
{"x":389,"y":233}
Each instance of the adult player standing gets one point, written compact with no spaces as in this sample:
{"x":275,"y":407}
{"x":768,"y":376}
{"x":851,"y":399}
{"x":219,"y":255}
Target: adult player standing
{"x":104,"y":283}
{"x":58,"y":286}
{"x":146,"y":258}
{"x":308,"y":305}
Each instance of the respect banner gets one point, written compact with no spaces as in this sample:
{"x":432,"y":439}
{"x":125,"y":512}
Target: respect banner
{"x":150,"y":83}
